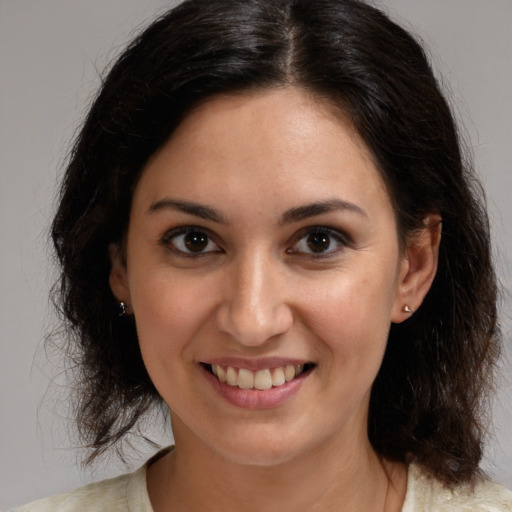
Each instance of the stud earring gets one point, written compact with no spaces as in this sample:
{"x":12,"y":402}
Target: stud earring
{"x":407,"y":309}
{"x":122,"y":307}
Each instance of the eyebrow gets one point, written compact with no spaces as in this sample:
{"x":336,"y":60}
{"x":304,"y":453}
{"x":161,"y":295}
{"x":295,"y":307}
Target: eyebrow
{"x":319,"y":208}
{"x":289,"y":216}
{"x":196,"y":209}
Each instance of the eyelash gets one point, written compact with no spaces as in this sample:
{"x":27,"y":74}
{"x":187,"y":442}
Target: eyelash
{"x":332,"y":236}
{"x":169,"y":238}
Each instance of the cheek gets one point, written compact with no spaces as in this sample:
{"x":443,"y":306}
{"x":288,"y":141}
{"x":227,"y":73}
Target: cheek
{"x":169,"y":312}
{"x":351,"y":313}
{"x":168,"y":317}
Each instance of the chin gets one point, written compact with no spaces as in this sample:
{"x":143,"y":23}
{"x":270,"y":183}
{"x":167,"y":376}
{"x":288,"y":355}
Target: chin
{"x":261,"y":449}
{"x":261,"y":457}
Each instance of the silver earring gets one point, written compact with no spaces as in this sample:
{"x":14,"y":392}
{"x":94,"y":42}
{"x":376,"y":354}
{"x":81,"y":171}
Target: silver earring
{"x":122,"y":308}
{"x":407,"y":309}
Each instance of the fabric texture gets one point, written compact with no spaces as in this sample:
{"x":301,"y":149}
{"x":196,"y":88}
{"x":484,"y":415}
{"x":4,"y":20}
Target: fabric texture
{"x":425,"y":494}
{"x":128,"y":493}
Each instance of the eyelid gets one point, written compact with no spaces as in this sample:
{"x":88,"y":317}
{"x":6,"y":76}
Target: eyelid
{"x":166,"y":240}
{"x":342,"y":238}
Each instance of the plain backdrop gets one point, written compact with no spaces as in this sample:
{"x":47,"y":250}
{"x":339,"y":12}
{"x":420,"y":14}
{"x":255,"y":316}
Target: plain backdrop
{"x":51,"y":55}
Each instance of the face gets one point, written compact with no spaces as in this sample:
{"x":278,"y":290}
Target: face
{"x":263,"y":269}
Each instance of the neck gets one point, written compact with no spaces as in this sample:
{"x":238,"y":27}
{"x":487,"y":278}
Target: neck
{"x":331,"y":477}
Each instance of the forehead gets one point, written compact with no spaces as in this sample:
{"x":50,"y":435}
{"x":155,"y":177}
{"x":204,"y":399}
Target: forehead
{"x":262,"y":143}
{"x":271,"y":116}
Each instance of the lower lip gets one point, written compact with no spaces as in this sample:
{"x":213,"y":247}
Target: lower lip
{"x":254,"y":398}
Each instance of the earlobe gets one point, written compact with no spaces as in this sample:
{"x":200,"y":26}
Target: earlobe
{"x":118,"y":278}
{"x":418,"y":268}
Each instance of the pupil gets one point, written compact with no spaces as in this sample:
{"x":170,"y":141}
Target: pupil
{"x":318,"y":242}
{"x":196,"y":241}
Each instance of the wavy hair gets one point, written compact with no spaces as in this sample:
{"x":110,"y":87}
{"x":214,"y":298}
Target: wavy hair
{"x":428,"y":401}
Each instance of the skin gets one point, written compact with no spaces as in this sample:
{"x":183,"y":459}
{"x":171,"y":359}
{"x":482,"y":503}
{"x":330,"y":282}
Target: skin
{"x":257,"y":291}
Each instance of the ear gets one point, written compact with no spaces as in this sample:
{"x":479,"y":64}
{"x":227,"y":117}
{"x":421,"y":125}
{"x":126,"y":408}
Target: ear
{"x":417,"y":268}
{"x":118,"y":278}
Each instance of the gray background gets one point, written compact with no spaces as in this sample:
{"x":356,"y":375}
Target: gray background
{"x":51,"y":54}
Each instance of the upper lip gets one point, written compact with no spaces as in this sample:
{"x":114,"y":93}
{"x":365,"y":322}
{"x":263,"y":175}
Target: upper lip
{"x":255,"y":364}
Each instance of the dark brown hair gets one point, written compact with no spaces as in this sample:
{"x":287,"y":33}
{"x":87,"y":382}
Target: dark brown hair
{"x":427,"y":400}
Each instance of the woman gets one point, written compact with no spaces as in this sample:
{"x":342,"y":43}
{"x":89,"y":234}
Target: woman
{"x":268,"y":226}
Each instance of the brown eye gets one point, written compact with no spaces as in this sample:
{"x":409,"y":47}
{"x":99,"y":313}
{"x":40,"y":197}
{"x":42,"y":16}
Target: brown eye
{"x":196,"y":241}
{"x":190,"y":241}
{"x":318,"y":242}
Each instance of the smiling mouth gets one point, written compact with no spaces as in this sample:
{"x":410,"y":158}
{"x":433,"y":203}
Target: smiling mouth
{"x":260,"y":380}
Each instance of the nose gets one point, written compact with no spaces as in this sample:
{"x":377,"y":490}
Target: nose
{"x":253,"y":309}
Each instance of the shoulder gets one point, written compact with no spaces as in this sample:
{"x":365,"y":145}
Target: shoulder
{"x":125,"y":493}
{"x":425,"y":494}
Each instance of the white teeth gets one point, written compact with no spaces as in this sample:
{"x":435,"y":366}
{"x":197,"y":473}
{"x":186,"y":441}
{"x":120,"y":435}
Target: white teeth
{"x":232,"y":377}
{"x":245,"y":379}
{"x":262,"y":379}
{"x":221,"y":374}
{"x":289,"y":372}
{"x":278,"y":377}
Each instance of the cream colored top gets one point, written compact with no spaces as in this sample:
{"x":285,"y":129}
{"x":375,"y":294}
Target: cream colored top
{"x":128,"y":493}
{"x":425,"y":494}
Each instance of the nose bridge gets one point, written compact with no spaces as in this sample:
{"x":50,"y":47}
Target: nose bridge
{"x":254,"y":309}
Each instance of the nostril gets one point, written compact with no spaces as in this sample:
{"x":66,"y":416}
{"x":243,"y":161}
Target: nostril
{"x":254,"y":326}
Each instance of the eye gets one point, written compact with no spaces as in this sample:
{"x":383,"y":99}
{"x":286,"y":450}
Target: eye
{"x":190,"y":241}
{"x":319,"y":241}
